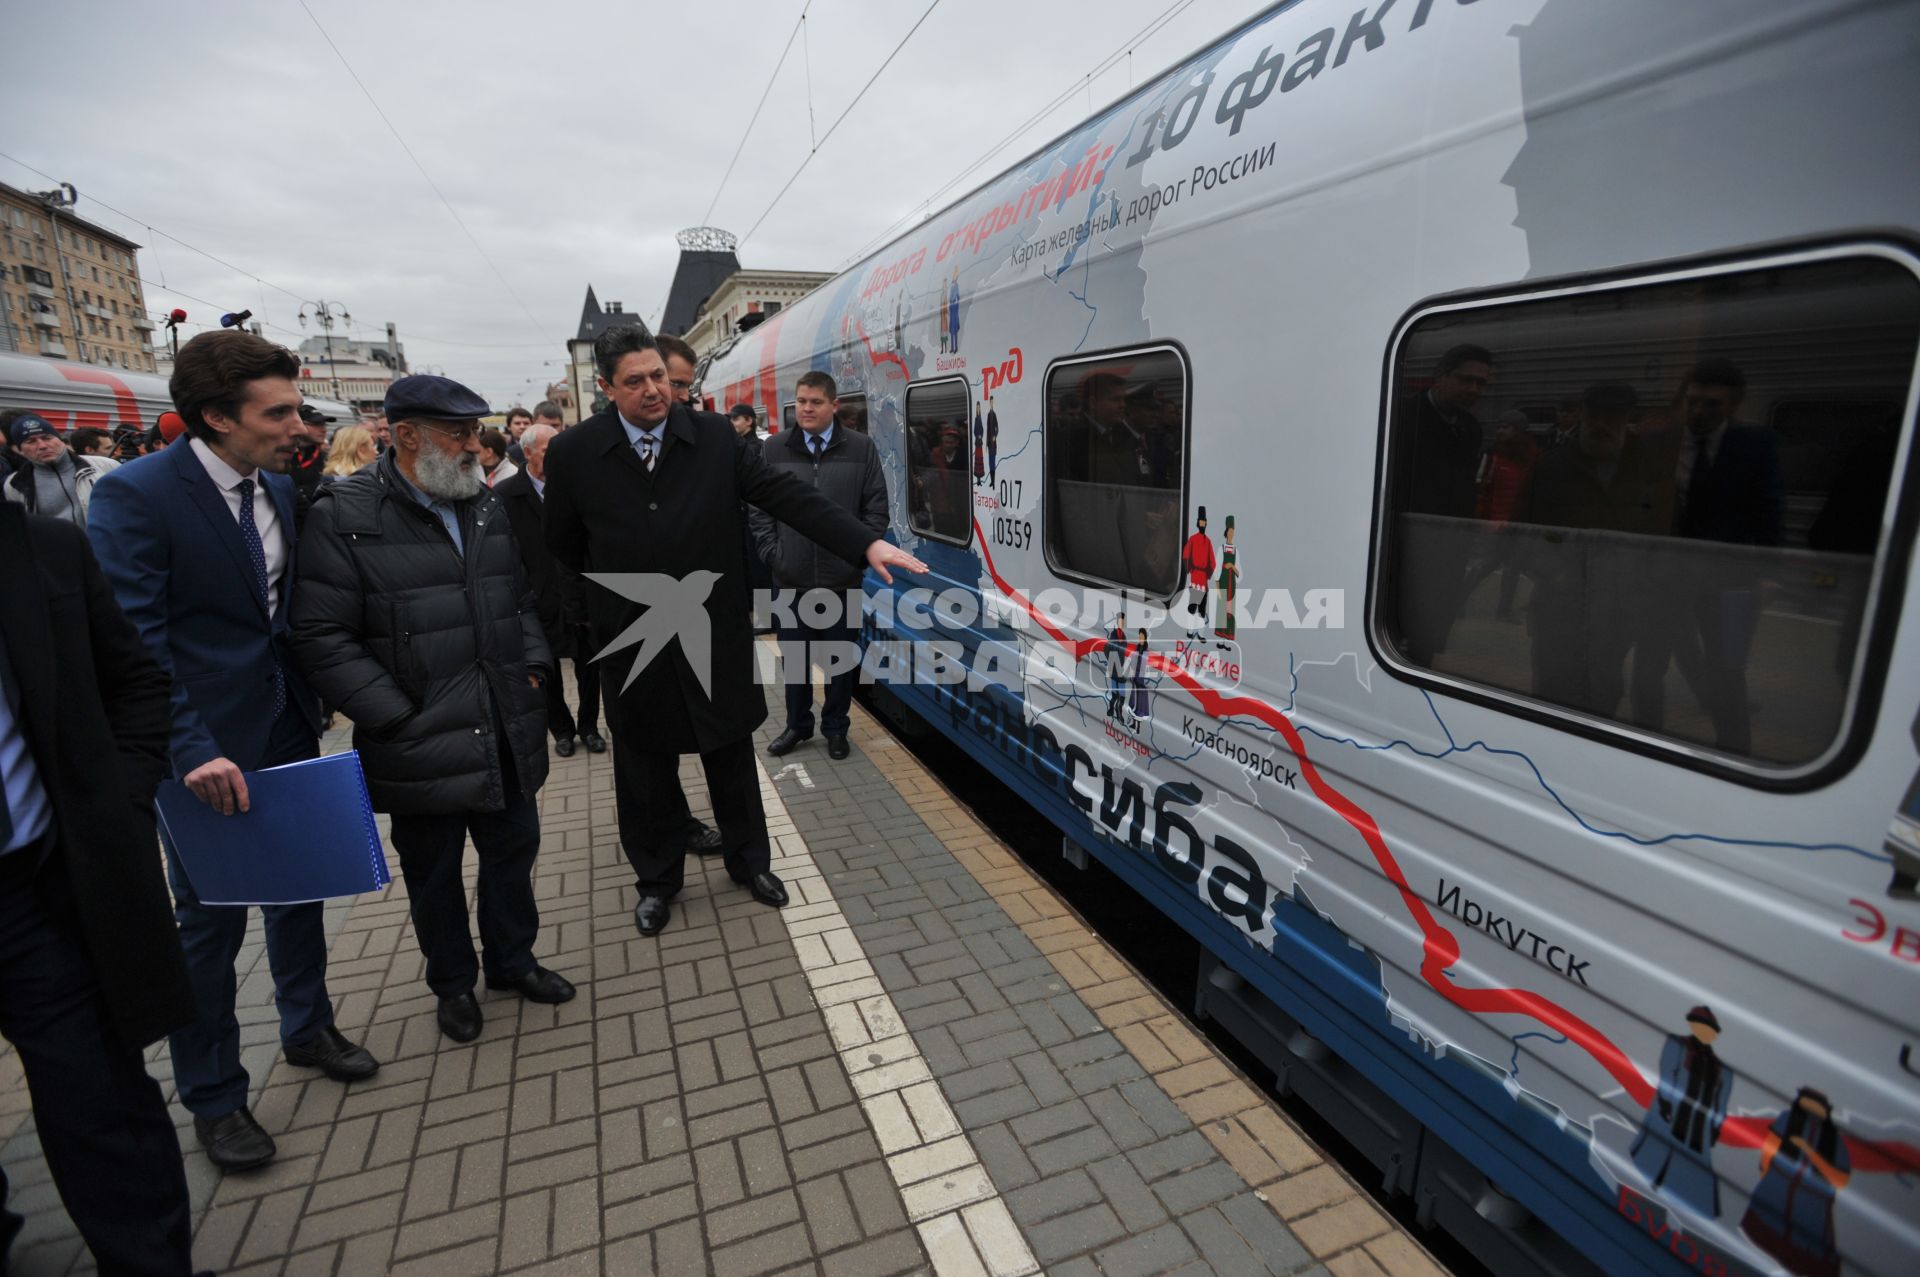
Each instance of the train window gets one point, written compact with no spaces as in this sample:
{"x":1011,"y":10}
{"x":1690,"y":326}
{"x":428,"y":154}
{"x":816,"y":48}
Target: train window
{"x":1656,"y":507}
{"x":1115,"y":454}
{"x":940,"y":487}
{"x":788,"y":421}
{"x":853,"y":413}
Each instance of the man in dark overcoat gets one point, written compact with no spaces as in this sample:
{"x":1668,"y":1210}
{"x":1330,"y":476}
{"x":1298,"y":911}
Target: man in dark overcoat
{"x":90,"y":963}
{"x":645,"y":498}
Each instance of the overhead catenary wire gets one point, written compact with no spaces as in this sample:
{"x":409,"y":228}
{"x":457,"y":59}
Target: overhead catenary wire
{"x":445,"y":202}
{"x":153,"y":230}
{"x":1140,"y":37}
{"x":755,"y":118}
{"x":878,"y":72}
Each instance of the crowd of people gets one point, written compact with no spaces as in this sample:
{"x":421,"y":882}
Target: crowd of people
{"x":216,"y":598}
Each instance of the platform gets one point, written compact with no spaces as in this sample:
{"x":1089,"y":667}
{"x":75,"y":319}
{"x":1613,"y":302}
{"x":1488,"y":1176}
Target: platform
{"x":926,"y":1063}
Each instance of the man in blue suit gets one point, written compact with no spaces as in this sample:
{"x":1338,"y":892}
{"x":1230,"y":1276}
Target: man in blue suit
{"x":197,"y":541}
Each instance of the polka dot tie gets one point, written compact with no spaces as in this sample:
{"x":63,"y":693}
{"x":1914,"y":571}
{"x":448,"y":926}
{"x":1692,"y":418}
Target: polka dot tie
{"x":257,"y":551}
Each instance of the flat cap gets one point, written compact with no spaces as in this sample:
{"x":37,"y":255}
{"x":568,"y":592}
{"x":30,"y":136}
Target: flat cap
{"x":424,"y":395}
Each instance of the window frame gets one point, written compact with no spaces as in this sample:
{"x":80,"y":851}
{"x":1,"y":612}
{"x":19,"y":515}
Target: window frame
{"x":865,"y":407}
{"x":1885,"y":593}
{"x":1156,"y":346}
{"x":906,"y":429}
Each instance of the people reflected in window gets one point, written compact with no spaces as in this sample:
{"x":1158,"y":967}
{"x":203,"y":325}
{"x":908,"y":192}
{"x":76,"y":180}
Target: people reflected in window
{"x":1591,"y":593}
{"x":1725,"y":477}
{"x":1442,"y":458}
{"x":1113,"y":439}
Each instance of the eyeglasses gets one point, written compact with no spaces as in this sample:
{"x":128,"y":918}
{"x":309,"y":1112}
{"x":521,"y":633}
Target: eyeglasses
{"x":459,"y":434}
{"x":680,"y":385}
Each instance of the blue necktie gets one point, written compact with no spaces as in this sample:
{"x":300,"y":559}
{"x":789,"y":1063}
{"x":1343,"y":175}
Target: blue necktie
{"x":257,"y":551}
{"x":819,"y":446}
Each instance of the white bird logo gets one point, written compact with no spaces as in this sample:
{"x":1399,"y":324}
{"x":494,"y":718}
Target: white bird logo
{"x":676,"y":607}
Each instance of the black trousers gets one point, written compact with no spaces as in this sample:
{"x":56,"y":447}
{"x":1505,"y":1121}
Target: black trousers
{"x":431,"y":849}
{"x":102,"y":1121}
{"x":586,"y":672}
{"x":836,"y":709}
{"x":654,"y":820}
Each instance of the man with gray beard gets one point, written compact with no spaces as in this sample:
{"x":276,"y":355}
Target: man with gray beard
{"x":416,"y":620}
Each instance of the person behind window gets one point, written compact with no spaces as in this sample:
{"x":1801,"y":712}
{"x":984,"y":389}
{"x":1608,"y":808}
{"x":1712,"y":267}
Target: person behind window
{"x":1590,"y":596}
{"x":1504,"y":467}
{"x":1441,"y":457}
{"x":1726,"y":487}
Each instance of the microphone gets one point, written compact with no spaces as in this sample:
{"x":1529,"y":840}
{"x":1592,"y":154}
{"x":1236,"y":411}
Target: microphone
{"x":176,"y":317}
{"x":233,"y":320}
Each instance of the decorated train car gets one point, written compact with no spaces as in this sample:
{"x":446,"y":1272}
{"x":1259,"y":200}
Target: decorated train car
{"x":1423,"y":492}
{"x":72,"y":395}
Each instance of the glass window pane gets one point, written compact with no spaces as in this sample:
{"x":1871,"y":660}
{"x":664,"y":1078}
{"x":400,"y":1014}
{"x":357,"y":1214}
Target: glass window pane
{"x":852,"y":414}
{"x":940,"y":489}
{"x":1656,"y":505}
{"x":1115,"y":452}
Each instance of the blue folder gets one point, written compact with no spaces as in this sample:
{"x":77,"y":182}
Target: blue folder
{"x":309,"y":835}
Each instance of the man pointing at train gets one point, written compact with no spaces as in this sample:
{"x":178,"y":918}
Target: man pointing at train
{"x":645,"y":499}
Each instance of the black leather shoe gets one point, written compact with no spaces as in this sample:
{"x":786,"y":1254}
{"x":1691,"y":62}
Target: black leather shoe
{"x":538,"y":985}
{"x":331,"y":1053}
{"x":837,"y":747}
{"x":564,"y":747}
{"x":594,"y":741}
{"x":651,"y":914}
{"x":785,"y":741}
{"x":705,"y":840}
{"x":235,"y":1142}
{"x":459,"y":1017}
{"x":767,"y":889}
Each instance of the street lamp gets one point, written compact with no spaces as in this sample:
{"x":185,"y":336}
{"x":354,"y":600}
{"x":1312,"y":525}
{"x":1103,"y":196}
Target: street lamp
{"x":324,"y":310}
{"x":63,"y":196}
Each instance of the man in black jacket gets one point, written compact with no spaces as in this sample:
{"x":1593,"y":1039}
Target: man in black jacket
{"x":414,"y":618}
{"x":90,"y":962}
{"x":645,"y":499}
{"x":559,"y":594}
{"x":844,"y":466}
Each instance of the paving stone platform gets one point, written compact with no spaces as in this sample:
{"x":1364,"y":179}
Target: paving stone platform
{"x":926,"y":1063}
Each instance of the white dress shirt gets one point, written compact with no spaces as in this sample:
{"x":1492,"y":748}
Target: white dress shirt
{"x":273,"y":539}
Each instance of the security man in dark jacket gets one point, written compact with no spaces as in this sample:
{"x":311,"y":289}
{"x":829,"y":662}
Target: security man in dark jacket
{"x":844,"y":466}
{"x":90,"y":962}
{"x":645,"y":500}
{"x":415,"y":619}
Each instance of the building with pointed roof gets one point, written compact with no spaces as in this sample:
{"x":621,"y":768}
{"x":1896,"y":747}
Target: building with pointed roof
{"x":594,"y":320}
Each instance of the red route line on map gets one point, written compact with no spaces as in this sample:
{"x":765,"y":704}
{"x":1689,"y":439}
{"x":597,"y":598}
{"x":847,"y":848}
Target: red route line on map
{"x":1440,"y":946}
{"x":881,"y":356}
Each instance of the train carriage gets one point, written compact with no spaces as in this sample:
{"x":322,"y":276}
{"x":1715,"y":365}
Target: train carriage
{"x":1423,"y":493}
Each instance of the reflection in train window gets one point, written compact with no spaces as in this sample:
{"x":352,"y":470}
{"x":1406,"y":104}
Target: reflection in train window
{"x":940,"y":487}
{"x":852,"y":414}
{"x":1115,"y":456}
{"x":1655,"y":505}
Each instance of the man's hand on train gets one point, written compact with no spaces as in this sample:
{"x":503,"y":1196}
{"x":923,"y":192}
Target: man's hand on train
{"x":882,"y":555}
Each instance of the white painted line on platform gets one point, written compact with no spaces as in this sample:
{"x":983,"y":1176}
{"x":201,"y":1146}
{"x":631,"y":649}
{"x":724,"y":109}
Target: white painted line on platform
{"x":949,"y":1196}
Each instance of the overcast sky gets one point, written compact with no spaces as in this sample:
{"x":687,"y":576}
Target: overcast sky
{"x":573,"y":140}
